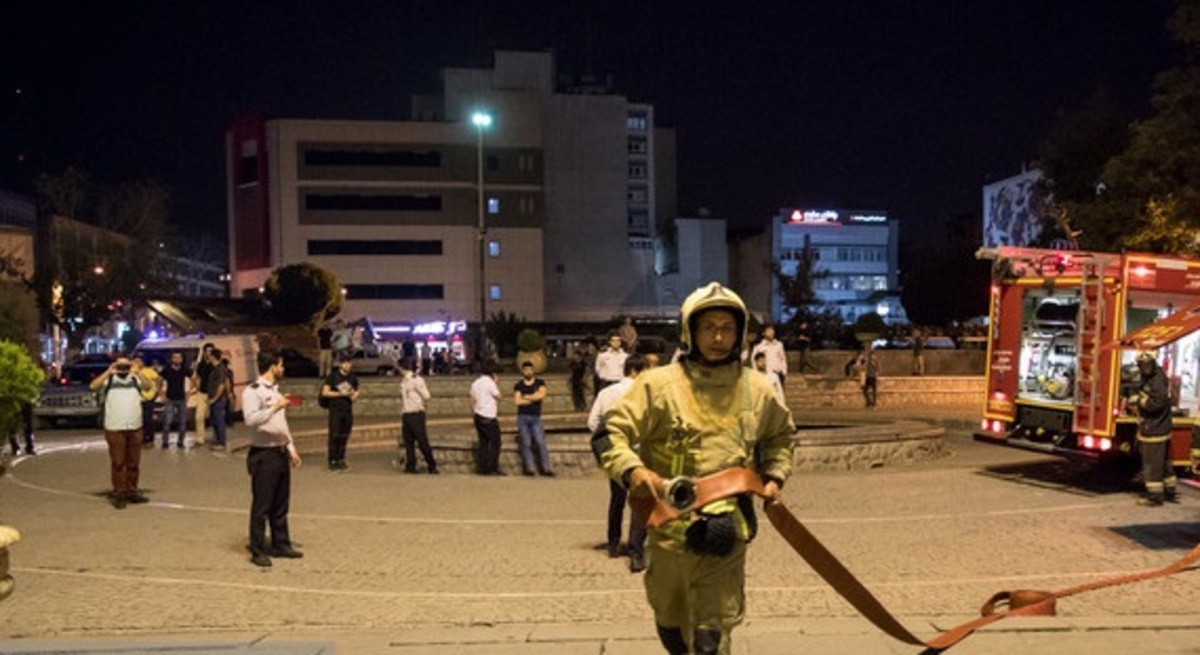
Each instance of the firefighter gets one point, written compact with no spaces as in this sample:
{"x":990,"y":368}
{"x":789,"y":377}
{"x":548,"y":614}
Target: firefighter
{"x":700,"y":415}
{"x":1153,"y":403}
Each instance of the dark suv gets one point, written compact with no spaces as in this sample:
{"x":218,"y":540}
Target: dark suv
{"x":69,"y":398}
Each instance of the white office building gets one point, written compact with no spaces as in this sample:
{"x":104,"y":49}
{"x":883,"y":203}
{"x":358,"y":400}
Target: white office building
{"x":571,"y":196}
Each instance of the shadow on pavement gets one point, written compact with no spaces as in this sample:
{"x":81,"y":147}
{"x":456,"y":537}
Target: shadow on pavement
{"x":1066,"y":476}
{"x":1161,"y":536}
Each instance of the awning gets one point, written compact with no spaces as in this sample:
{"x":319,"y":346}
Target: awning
{"x":1160,"y":333}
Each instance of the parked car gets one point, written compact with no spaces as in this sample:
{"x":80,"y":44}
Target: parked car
{"x":371,"y":362}
{"x":69,"y":399}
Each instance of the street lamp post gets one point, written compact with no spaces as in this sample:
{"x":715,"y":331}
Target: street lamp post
{"x":481,"y":120}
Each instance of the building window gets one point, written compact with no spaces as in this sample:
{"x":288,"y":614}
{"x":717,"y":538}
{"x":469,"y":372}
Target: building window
{"x":493,"y":248}
{"x":349,"y":202}
{"x":247,"y":170}
{"x":494,"y":292}
{"x":636,"y":123}
{"x":386,"y":247}
{"x":636,"y":146}
{"x":637,"y":171}
{"x":493,"y":163}
{"x":493,"y":205}
{"x":374,"y":158}
{"x":394,"y":292}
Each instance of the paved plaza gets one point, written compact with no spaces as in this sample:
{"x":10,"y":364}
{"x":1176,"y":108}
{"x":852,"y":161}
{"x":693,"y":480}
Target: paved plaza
{"x":423,"y":565}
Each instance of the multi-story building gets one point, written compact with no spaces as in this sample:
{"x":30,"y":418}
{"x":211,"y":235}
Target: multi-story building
{"x":854,"y":252}
{"x":564,"y":179}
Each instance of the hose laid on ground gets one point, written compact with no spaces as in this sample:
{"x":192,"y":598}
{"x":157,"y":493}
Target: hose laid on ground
{"x":735,"y":481}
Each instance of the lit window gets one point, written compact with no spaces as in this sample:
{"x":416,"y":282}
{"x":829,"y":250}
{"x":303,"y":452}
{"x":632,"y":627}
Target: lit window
{"x":493,"y":248}
{"x":493,"y":205}
{"x":494,"y":292}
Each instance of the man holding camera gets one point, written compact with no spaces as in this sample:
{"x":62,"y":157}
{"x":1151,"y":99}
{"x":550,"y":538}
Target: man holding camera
{"x":704,"y":414}
{"x":123,"y":386}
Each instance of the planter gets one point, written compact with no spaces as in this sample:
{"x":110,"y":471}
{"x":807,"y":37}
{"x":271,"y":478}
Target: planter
{"x":8,"y":536}
{"x":537,"y":357}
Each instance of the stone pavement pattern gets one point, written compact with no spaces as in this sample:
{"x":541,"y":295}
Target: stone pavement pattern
{"x":464,"y":564}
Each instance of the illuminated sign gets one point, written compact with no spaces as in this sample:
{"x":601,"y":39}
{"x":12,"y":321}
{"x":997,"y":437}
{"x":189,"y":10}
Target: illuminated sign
{"x":814,"y":216}
{"x":832,"y":217}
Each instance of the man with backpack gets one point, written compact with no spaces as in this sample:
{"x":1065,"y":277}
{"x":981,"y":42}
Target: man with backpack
{"x":123,"y":387}
{"x":338,"y":394}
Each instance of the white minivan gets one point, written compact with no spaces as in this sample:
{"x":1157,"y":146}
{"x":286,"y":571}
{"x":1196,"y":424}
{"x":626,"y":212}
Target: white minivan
{"x":240,"y":349}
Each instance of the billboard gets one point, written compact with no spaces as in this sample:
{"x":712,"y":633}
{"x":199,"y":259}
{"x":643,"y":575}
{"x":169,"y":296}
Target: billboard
{"x":1012,"y":211}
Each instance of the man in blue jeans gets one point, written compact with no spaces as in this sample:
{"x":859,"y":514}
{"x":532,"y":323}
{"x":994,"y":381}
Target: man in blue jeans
{"x":176,"y":377}
{"x":217,"y":388}
{"x":527,"y":396}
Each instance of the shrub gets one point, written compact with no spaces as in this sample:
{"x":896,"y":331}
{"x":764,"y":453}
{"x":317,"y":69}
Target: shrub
{"x":530,"y":340}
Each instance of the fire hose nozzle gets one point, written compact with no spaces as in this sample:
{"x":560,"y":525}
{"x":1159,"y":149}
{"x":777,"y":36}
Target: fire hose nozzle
{"x":679,"y":493}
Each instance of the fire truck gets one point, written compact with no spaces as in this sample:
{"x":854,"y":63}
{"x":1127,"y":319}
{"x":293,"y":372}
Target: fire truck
{"x":1064,"y":330}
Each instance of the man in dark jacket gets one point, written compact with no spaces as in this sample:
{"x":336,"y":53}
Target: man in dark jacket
{"x":1153,"y":403}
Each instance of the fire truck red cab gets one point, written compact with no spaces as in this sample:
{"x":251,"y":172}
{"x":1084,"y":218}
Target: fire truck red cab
{"x":1064,"y":329}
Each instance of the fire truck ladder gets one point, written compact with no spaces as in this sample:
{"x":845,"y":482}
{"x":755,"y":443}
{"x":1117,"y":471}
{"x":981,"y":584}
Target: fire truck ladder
{"x":1088,"y":413}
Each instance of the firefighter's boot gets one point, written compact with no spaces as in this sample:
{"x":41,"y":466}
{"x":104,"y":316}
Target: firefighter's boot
{"x":1151,"y":499}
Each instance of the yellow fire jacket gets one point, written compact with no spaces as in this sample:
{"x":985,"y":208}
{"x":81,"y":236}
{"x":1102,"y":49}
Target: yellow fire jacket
{"x":693,"y":420}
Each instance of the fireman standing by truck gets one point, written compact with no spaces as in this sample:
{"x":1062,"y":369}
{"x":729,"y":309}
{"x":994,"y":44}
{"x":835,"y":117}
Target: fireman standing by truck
{"x":1153,"y":404}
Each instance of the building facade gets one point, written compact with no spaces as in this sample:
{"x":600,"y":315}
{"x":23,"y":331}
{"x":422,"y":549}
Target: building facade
{"x":854,"y":253}
{"x":569,"y":202}
{"x":18,"y":226}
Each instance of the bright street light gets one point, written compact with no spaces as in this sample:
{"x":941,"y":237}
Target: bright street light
{"x":482,"y":120}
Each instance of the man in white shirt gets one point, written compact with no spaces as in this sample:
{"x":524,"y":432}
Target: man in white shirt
{"x":270,"y":461}
{"x":610,"y":364}
{"x":605,"y":401}
{"x":123,"y":387}
{"x":776,"y":356}
{"x":760,"y":365}
{"x":485,"y":396}
{"x":413,"y":396}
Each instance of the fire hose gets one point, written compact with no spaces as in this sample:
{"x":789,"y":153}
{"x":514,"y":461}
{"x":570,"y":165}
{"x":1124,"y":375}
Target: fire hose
{"x":680,"y":496}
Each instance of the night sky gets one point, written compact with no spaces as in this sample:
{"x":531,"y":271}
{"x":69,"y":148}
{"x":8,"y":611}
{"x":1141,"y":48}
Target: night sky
{"x":906,"y":107}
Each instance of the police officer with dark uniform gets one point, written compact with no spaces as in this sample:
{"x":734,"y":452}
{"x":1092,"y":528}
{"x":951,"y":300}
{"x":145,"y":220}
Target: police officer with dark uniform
{"x":1153,"y":403}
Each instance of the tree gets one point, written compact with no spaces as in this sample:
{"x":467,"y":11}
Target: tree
{"x":1151,"y":188}
{"x":502,"y":329}
{"x":137,"y":209}
{"x":1072,"y":157}
{"x":797,"y":295}
{"x":303,"y":293}
{"x":96,"y":271}
{"x":20,"y":382}
{"x":18,"y":315}
{"x":68,"y":194}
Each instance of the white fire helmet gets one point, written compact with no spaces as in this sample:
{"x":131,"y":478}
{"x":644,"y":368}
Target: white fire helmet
{"x":711,"y":296}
